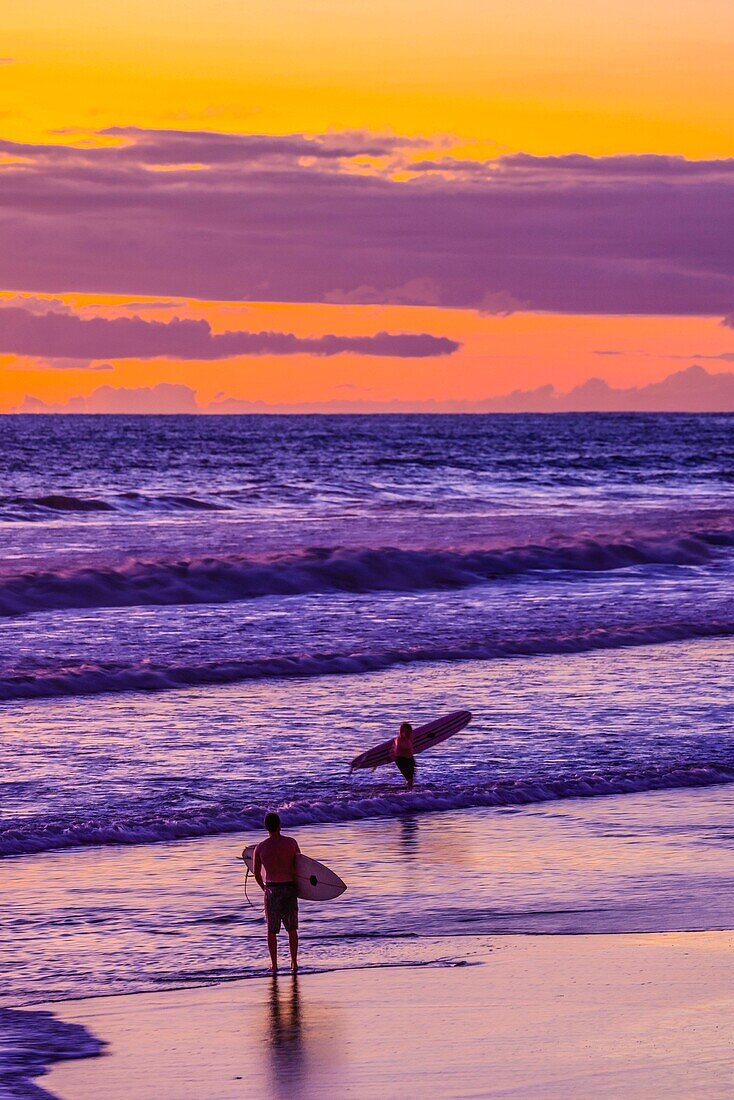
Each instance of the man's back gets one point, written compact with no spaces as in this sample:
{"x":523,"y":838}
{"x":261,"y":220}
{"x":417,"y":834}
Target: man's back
{"x":278,"y":854}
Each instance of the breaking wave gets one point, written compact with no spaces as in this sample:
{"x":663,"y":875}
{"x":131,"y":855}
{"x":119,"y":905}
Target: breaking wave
{"x":100,"y":679}
{"x":328,"y":569}
{"x":18,"y":509}
{"x":149,"y":827}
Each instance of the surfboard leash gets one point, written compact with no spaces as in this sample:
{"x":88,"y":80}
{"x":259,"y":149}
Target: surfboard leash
{"x":247,"y":875}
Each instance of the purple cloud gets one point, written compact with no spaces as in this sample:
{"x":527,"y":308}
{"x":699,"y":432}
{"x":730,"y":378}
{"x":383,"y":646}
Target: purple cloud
{"x":421,"y":291}
{"x":60,"y":335}
{"x":137,"y":307}
{"x":25,"y":365}
{"x":163,"y":398}
{"x":498,"y":303}
{"x":691,"y":390}
{"x":32,"y":304}
{"x":288,"y":219}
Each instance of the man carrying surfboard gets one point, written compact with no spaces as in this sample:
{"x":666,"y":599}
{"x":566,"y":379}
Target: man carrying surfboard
{"x":403,"y":753}
{"x":277,"y":857}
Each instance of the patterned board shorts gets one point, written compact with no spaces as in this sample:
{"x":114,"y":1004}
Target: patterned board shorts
{"x":281,"y":904}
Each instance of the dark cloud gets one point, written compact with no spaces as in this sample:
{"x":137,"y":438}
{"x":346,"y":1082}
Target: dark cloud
{"x":635,"y":166}
{"x":421,"y":291}
{"x":59,"y":335}
{"x":289,"y":219}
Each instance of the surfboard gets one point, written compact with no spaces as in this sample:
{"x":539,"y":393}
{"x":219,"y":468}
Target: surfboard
{"x":314,"y":881}
{"x":424,"y":737}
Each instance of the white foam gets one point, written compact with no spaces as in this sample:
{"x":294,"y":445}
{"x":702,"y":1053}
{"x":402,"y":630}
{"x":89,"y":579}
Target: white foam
{"x":22,"y":840}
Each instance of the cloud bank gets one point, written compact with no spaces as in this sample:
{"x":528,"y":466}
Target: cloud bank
{"x":691,"y":390}
{"x":352,"y":217}
{"x":57,"y":335}
{"x":163,"y":398}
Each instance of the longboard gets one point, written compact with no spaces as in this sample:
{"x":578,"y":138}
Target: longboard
{"x":424,"y":737}
{"x":314,"y":881}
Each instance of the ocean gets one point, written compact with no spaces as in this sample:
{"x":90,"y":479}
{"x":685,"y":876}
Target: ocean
{"x":204,"y":618}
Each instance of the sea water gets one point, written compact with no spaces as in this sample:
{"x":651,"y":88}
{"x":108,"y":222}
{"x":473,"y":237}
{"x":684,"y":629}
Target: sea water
{"x":207,"y":618}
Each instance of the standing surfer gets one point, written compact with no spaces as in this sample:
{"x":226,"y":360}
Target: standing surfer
{"x":403,"y":753}
{"x":276,"y":855}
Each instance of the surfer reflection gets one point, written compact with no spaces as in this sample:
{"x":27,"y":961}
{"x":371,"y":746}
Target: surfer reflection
{"x":409,"y":839}
{"x":403,"y":753}
{"x":286,"y":1039}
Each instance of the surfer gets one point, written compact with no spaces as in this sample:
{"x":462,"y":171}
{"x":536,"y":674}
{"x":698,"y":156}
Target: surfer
{"x":276,"y":855}
{"x":403,"y":753}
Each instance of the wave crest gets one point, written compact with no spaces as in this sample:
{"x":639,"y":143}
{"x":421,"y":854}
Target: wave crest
{"x":147,"y":828}
{"x":55,"y":505}
{"x":333,"y":569}
{"x":100,"y":679}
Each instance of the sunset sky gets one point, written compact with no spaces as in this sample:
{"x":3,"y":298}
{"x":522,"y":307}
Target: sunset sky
{"x":380,"y":203}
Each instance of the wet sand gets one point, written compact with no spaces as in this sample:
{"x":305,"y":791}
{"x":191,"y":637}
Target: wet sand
{"x":532,"y":1016}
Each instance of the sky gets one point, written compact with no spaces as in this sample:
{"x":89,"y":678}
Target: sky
{"x":387,"y":204}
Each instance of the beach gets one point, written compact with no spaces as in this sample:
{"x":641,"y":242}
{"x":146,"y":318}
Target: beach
{"x":581,"y":947}
{"x":532,"y":1016}
{"x":176,"y":664}
{"x":366,"y":550}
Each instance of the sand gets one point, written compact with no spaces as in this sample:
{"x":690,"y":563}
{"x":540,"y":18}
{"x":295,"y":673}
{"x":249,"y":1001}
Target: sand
{"x":534,"y":1016}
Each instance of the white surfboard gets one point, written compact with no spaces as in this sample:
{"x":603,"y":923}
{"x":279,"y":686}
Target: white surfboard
{"x":314,"y":881}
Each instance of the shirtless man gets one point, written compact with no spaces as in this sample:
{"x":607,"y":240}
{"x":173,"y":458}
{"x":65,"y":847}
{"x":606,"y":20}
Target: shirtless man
{"x":277,"y":857}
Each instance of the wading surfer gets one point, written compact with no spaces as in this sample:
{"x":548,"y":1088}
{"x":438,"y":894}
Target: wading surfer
{"x":403,"y":753}
{"x":276,"y":856}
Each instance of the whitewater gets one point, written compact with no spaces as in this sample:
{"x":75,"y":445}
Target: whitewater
{"x":205,"y":618}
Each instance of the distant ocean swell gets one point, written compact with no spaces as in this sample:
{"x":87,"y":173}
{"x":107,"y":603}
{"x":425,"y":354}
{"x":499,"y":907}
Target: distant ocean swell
{"x":323,"y":570}
{"x":148,"y":827}
{"x":101,"y":679}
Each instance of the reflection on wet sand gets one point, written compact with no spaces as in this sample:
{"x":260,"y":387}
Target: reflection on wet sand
{"x":285,"y":1039}
{"x":303,"y":1040}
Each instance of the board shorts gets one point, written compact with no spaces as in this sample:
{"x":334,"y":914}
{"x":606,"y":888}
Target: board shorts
{"x":281,"y":905}
{"x":406,"y":767}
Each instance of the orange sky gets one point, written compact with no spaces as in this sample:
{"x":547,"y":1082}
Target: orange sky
{"x":536,"y":75}
{"x":484,"y":77}
{"x":498,"y":354}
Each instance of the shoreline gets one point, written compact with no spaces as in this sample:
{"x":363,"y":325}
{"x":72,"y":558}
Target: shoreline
{"x":173,"y":916}
{"x":536,"y":923}
{"x":542,"y":1015}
